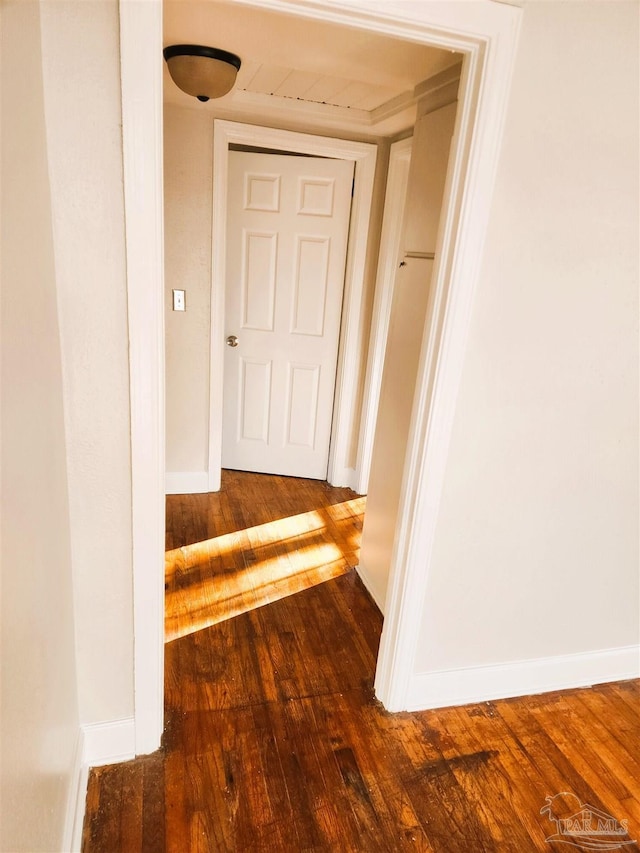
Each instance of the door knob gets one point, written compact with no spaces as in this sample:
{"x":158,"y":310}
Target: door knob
{"x":232,"y":341}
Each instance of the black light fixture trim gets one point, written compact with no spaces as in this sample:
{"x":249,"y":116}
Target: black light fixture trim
{"x":201,"y":50}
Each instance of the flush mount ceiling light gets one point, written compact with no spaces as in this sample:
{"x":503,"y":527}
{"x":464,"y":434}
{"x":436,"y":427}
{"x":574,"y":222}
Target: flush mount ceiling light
{"x":204,"y":72}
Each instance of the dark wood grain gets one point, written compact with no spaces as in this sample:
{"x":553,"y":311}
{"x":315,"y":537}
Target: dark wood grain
{"x":274,"y":740}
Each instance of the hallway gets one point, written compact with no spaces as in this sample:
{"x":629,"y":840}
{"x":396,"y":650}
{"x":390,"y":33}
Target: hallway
{"x":274,"y":740}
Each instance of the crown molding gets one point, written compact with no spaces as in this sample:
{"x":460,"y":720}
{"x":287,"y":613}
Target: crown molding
{"x":438,"y":91}
{"x":438,"y":81}
{"x":392,"y":107}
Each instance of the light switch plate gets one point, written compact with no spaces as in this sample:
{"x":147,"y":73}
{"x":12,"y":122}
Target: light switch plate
{"x":179,"y":303}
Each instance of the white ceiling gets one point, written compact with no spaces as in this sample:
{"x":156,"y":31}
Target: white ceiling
{"x":332,"y":76}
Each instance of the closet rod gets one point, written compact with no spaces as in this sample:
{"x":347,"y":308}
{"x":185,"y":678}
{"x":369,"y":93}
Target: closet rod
{"x":428,"y":256}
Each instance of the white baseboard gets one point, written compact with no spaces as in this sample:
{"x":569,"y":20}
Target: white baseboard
{"x":109,"y":743}
{"x":372,"y":588}
{"x":522,"y":678}
{"x":80,"y":809}
{"x":96,"y":744}
{"x":344,"y":478}
{"x":76,"y":799}
{"x":197,"y":482}
{"x":186,"y":482}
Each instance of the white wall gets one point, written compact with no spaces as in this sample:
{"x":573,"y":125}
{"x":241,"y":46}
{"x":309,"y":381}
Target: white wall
{"x":39,"y":722}
{"x":188,"y":208}
{"x":536,"y":549}
{"x":82,"y":107}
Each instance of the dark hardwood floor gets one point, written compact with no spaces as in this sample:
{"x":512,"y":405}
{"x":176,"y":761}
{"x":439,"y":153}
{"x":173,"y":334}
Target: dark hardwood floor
{"x":274,"y":740}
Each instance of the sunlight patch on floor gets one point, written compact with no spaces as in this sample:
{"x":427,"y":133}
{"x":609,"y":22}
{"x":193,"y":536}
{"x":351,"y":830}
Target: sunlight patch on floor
{"x":214,"y":580}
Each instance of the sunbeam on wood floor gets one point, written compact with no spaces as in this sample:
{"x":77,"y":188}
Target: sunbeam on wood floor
{"x":219,"y":578}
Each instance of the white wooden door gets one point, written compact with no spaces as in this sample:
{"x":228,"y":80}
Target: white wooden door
{"x":288,"y":222}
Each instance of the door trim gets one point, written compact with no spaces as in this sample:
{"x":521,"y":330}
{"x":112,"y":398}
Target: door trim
{"x":484,"y":88}
{"x":363,"y":155}
{"x":486,"y":33}
{"x":141,"y":82}
{"x":394,"y":201}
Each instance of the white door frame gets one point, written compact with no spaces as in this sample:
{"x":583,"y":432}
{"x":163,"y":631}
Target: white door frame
{"x":363,"y":155}
{"x":388,"y":258}
{"x":141,"y":81}
{"x":486,"y":33}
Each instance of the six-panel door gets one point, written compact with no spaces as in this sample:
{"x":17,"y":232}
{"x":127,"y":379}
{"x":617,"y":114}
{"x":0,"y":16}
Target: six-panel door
{"x":288,"y":222}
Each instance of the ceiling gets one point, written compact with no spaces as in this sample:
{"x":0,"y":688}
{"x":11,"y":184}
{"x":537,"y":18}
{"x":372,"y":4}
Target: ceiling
{"x":330,"y":75}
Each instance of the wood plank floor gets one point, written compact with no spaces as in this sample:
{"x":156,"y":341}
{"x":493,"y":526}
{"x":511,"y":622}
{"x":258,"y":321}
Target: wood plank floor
{"x":274,"y":742}
{"x":250,"y":544}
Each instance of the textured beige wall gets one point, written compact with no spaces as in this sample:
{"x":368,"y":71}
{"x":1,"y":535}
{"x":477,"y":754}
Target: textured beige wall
{"x":188,"y":188}
{"x":536,"y":549}
{"x":39,"y":721}
{"x":81,"y":69}
{"x":188,"y":179}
